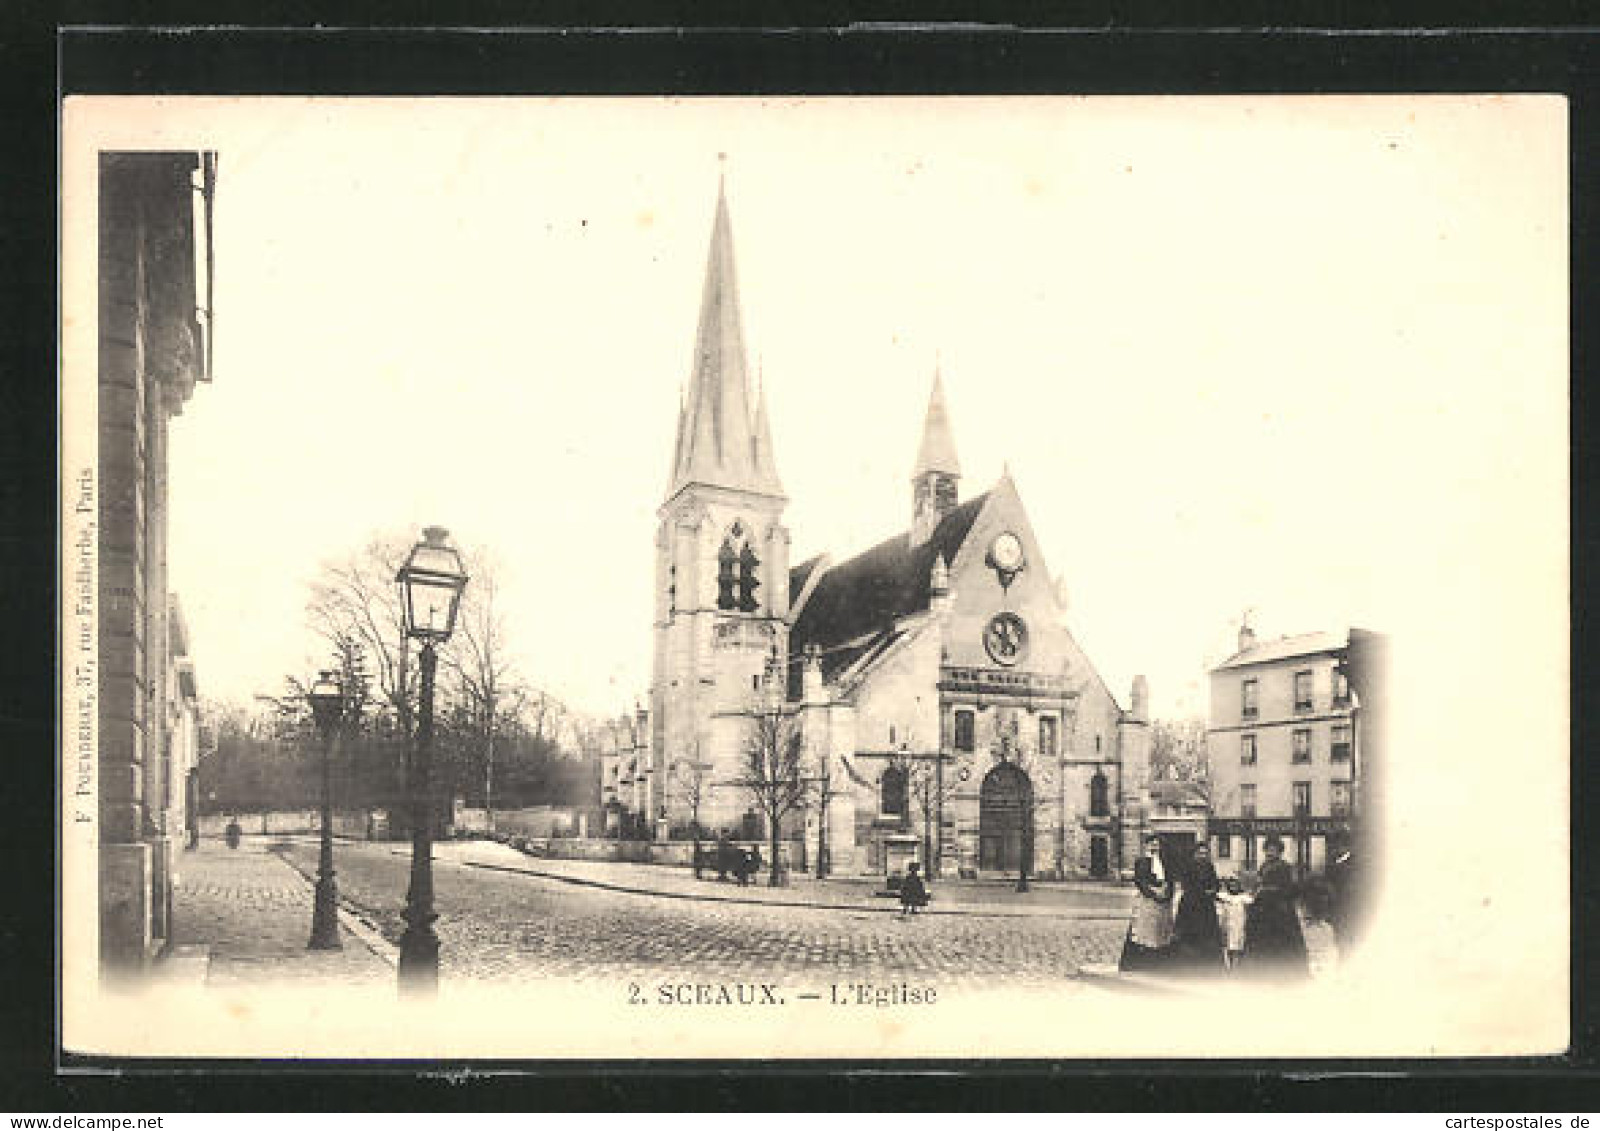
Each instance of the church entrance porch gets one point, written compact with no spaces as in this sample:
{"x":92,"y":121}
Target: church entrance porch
{"x":1005,"y":820}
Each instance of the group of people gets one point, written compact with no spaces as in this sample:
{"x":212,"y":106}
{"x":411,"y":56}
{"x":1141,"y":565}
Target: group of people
{"x":1185,"y":920}
{"x":728,"y":859}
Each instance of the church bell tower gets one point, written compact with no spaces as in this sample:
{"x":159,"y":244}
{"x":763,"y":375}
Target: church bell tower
{"x":722,"y":562}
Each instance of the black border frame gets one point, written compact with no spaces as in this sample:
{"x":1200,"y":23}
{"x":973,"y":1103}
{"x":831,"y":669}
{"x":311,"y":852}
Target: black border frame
{"x":1092,"y":49}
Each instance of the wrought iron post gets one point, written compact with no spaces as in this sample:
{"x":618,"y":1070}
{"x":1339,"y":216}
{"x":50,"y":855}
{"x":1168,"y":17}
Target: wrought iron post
{"x":419,"y":945}
{"x":325,"y":912}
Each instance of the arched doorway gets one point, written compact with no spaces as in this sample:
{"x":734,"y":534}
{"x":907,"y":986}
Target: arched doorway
{"x":1005,"y":816}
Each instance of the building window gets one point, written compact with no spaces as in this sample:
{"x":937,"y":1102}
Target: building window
{"x":747,"y":579}
{"x":1247,"y":703}
{"x":736,"y":572}
{"x":1302,"y":799}
{"x":1250,"y":851}
{"x":1341,"y":689}
{"x":1247,"y":801}
{"x":1302,"y":745}
{"x":1247,"y":750}
{"x":1302,"y":691}
{"x":1047,"y":736}
{"x":1340,"y":749}
{"x":1097,"y":744}
{"x":726,"y":579}
{"x":1224,"y":847}
{"x":1339,"y":799}
{"x":891,"y":735}
{"x":892,"y":793}
{"x":1099,"y":803}
{"x":964,"y":740}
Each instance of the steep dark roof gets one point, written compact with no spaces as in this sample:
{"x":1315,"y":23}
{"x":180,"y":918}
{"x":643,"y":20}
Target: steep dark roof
{"x":869,"y":593}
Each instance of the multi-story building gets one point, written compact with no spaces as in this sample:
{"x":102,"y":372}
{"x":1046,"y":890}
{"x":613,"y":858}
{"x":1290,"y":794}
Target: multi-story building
{"x":1282,"y":749}
{"x":154,"y":346}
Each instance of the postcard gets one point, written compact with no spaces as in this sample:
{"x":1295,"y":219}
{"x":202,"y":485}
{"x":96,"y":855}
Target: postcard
{"x":764,"y":578}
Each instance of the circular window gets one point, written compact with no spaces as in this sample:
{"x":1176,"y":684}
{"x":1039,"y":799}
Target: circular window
{"x":1005,"y":638}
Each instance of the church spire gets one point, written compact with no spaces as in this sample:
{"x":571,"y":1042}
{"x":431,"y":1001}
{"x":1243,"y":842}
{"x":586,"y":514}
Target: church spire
{"x":934,"y":490}
{"x":719,"y":443}
{"x":938,"y":451}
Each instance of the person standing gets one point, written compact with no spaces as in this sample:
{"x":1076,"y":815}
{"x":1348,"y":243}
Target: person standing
{"x":1198,"y":937}
{"x":1234,"y":902}
{"x":1150,"y":927}
{"x":1274,"y":946}
{"x":913,"y":892}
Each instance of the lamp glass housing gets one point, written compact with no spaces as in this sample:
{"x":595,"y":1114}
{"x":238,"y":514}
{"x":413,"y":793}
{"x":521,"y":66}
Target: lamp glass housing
{"x":431,"y":582}
{"x":327,"y":699}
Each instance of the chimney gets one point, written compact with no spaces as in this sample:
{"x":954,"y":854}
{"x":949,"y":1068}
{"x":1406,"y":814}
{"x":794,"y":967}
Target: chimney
{"x":1141,"y":699}
{"x":1247,"y":637}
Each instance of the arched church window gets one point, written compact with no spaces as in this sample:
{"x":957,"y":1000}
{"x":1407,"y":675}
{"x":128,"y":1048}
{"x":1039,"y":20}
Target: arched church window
{"x":726,"y":578}
{"x":1099,"y":803}
{"x":747,"y":579}
{"x":892,"y":799}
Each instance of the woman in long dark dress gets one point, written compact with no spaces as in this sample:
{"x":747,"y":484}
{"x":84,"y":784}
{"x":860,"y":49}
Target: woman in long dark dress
{"x":1273,"y":944}
{"x":1150,"y":927}
{"x":1197,"y":934}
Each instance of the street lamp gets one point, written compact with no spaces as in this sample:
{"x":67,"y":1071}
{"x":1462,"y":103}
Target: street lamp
{"x":431,"y":581}
{"x":327,"y":707}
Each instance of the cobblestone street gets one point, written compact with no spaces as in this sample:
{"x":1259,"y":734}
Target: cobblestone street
{"x":501,"y":926}
{"x":250,"y":915}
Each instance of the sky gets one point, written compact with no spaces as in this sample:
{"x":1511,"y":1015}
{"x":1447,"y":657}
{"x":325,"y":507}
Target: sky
{"x":1275,"y":354}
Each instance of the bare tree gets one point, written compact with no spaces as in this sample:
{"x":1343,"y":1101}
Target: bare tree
{"x":479,"y":661}
{"x":775,"y":774}
{"x":356,"y":601}
{"x":1178,"y":752}
{"x":687,"y":783}
{"x":928,"y":785}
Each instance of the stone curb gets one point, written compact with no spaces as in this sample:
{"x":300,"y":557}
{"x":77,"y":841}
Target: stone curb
{"x":582,"y":881}
{"x":353,"y":920}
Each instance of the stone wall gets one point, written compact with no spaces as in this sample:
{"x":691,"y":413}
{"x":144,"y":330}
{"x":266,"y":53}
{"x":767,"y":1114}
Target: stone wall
{"x":149,"y":360}
{"x":679,"y":853}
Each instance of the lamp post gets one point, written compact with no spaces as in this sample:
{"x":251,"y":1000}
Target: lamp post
{"x":327,"y":707}
{"x":431,"y":581}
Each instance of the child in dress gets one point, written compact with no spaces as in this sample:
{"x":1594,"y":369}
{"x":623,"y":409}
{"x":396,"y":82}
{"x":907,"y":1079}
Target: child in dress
{"x":1233,"y":903}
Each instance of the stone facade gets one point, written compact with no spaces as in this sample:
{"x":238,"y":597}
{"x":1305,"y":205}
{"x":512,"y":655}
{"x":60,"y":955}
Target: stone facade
{"x":154,"y":345}
{"x":937,"y":693}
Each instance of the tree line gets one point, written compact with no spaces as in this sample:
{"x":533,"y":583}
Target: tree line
{"x":499,"y":742}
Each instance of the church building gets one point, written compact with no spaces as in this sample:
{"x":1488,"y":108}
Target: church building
{"x":943,"y":709}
